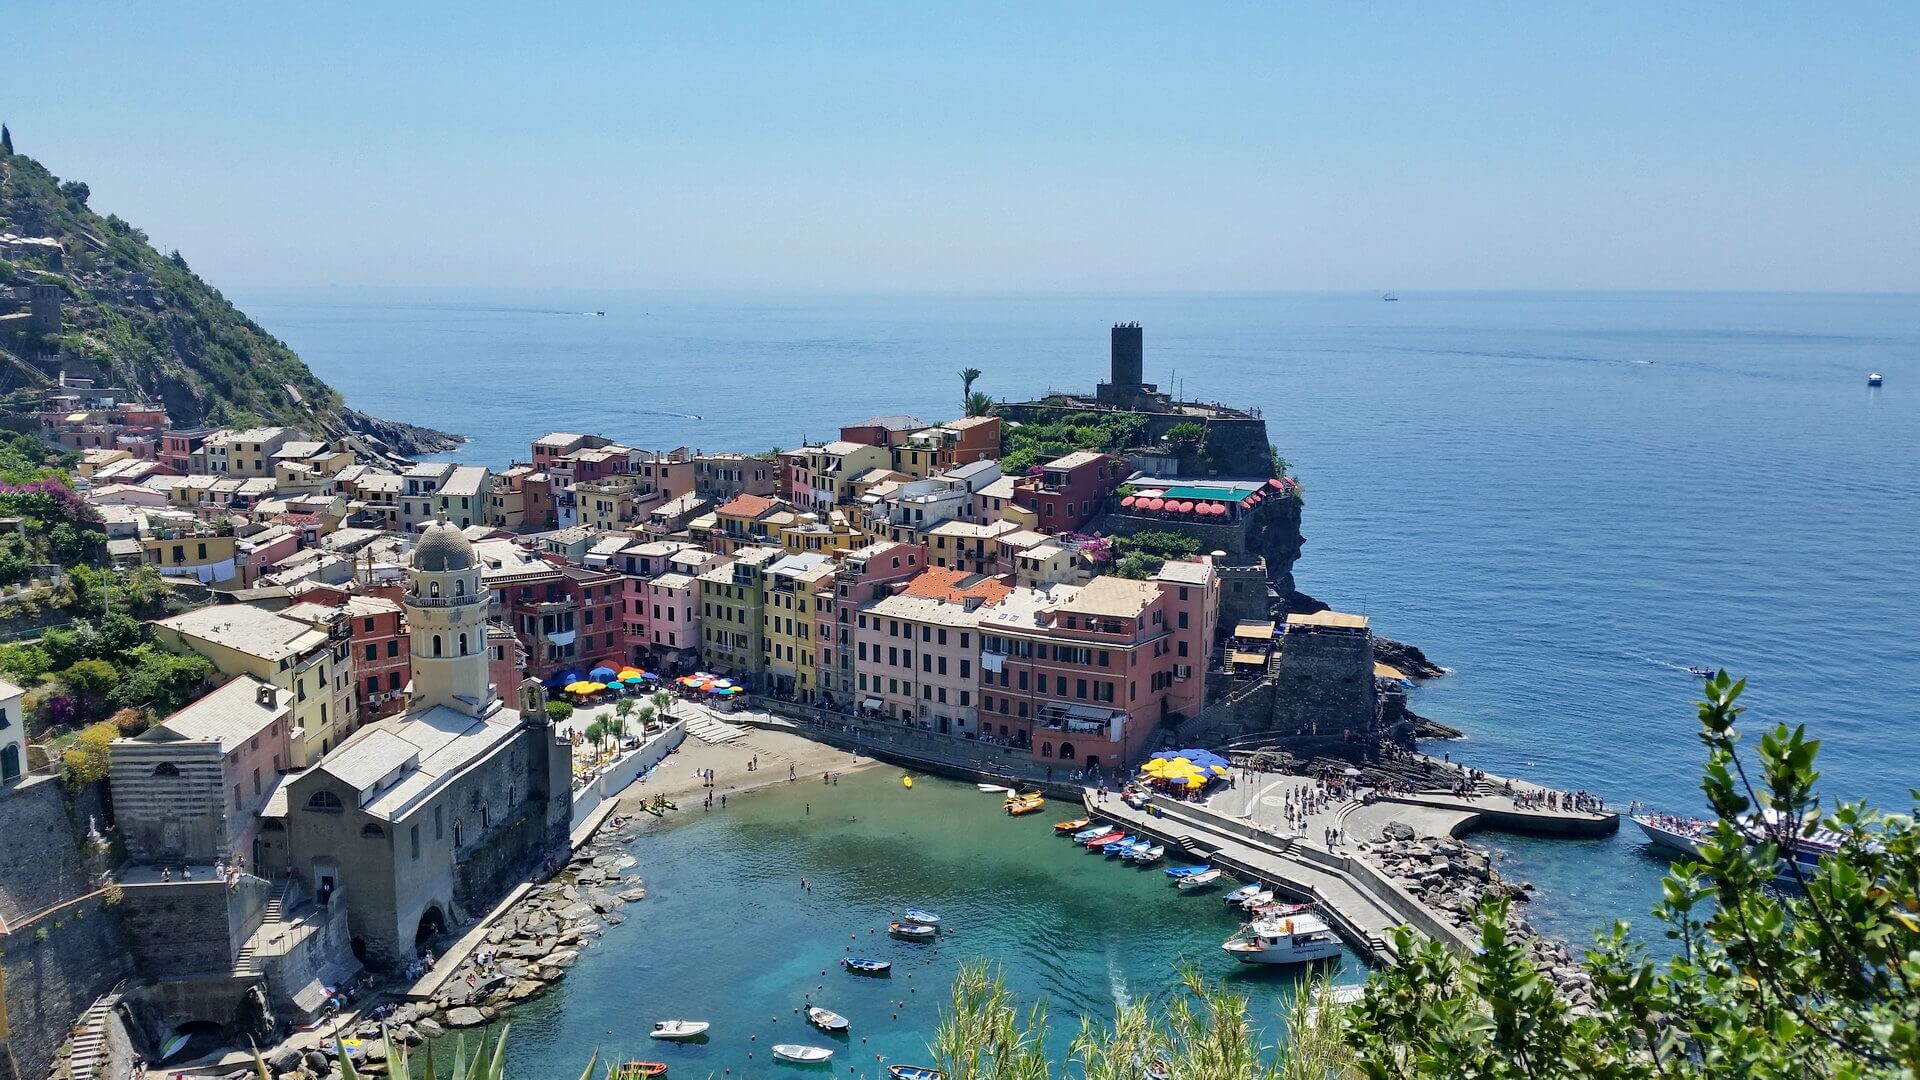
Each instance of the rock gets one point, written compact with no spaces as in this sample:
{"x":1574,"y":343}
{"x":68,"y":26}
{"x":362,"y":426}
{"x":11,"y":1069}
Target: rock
{"x":286,"y":1059}
{"x":561,"y":958}
{"x":407,"y":1035}
{"x":578,"y":913}
{"x":465,"y":1017}
{"x":318,"y":1062}
{"x":1397,"y":830}
{"x":525,"y":989}
{"x":602,"y":902}
{"x":429,"y":1028}
{"x":630,"y":895}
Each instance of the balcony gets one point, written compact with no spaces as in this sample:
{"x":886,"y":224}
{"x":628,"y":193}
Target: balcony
{"x":1096,"y":720}
{"x":414,"y":599}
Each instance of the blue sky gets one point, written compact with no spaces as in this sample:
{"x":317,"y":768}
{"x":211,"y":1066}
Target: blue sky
{"x":1054,"y":146}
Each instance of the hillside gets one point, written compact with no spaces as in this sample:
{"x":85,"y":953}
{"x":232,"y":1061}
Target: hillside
{"x":147,"y":321}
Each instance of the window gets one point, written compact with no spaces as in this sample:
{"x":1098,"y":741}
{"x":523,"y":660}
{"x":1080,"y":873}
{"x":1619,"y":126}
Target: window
{"x":256,"y":782}
{"x":437,"y":648}
{"x":1183,"y":648}
{"x":438,"y":832}
{"x":1183,"y":620}
{"x":166,"y":768}
{"x":371,"y":831}
{"x":393,"y":680}
{"x":373,"y":651}
{"x":1046,"y":749}
{"x":393,"y":647}
{"x":325,"y":801}
{"x":463,"y":644}
{"x":1080,"y":689}
{"x":456,"y":834}
{"x":966,"y":666}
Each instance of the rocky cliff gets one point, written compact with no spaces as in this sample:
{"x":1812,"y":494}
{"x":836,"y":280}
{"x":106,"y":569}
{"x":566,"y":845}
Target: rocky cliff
{"x":133,"y":317}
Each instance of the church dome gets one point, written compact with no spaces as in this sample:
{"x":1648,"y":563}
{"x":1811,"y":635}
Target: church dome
{"x":442,"y":548}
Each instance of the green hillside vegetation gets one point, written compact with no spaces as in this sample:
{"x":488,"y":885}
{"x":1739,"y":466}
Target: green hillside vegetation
{"x":1024,"y":446}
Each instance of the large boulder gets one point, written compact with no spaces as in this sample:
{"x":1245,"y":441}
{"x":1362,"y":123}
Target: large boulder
{"x":465,"y":1017}
{"x":1397,"y":830}
{"x":429,"y":1028}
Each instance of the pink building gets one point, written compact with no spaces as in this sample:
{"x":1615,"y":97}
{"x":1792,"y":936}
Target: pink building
{"x":916,"y":649}
{"x":1070,"y":490}
{"x":864,"y":574}
{"x":673,"y":616}
{"x":1084,"y":675}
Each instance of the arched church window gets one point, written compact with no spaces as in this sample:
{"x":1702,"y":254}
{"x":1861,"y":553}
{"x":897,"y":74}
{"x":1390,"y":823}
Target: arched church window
{"x":436,"y":645}
{"x":463,"y":644}
{"x":433,"y":589}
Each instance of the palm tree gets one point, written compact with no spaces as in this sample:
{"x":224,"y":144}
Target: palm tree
{"x":663,"y":704}
{"x":967,"y":378}
{"x":645,"y":716}
{"x":979,"y":403}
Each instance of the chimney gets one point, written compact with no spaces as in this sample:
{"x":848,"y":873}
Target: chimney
{"x":267,"y":696}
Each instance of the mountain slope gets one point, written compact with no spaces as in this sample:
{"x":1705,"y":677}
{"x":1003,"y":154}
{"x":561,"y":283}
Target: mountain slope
{"x":147,"y":321}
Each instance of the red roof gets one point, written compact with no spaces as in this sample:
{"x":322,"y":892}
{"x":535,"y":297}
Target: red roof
{"x":747,"y":506}
{"x":941,"y":583}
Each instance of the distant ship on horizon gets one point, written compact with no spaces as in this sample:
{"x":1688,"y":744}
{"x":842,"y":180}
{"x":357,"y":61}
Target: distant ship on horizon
{"x":1388,"y":297}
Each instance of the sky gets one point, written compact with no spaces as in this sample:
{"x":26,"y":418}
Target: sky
{"x":1061,"y":147}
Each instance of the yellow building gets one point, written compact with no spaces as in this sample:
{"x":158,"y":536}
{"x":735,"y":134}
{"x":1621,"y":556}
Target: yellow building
{"x":190,"y":551}
{"x":748,"y":521}
{"x":809,"y":533}
{"x":313,"y":667}
{"x":732,"y":609}
{"x":788,"y":621}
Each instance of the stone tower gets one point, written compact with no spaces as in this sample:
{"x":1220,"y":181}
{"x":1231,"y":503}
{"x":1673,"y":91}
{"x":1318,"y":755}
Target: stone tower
{"x":447,"y":622}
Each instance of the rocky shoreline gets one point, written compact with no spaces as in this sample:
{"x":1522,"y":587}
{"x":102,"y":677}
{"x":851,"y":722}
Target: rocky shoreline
{"x":1451,"y":878}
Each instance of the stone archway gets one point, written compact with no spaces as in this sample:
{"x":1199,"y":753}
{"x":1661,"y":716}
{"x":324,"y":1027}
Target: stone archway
{"x":433,"y":922}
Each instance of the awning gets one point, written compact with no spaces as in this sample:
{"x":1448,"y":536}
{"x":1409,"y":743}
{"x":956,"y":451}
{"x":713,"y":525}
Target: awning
{"x":1240,"y":657}
{"x":870,"y":703}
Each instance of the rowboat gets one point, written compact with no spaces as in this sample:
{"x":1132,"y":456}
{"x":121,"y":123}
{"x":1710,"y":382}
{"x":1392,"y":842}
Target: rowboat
{"x":1186,"y":871}
{"x":654,"y":810}
{"x":1085,"y":835}
{"x":1241,"y":893}
{"x":1199,"y":881}
{"x":1145,"y":855}
{"x":1264,"y":896}
{"x":642,"y":1070}
{"x":1128,"y":846}
{"x":912,"y":931}
{"x":914,"y":1072}
{"x":1114,"y":846}
{"x":1026,"y":806}
{"x":1072,"y":826}
{"x":1103,"y":839}
{"x":827,"y":1020}
{"x":804,"y":1054}
{"x":862,"y":966}
{"x":914,"y":914}
{"x":679,"y":1029}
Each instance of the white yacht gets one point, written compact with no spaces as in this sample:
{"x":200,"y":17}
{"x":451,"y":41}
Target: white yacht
{"x":1297,"y":939}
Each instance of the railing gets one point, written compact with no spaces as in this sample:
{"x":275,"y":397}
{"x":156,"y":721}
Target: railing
{"x":414,"y":599}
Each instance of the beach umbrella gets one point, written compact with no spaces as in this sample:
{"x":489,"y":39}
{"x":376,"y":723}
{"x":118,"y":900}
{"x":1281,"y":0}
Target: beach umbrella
{"x":636,"y":677}
{"x":1353,"y":772}
{"x":723,"y":683}
{"x":1219,"y":770}
{"x":1128,"y":501}
{"x":1156,"y":767}
{"x":629,"y":672}
{"x":564,"y":678}
{"x":614,"y":684}
{"x":600,"y":674}
{"x":649,"y":676}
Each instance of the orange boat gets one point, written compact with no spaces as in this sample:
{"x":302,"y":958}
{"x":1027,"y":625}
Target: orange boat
{"x":1027,"y":805}
{"x":1072,"y":826}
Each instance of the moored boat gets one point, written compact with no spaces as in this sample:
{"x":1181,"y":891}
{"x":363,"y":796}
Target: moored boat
{"x":1025,"y":806}
{"x":1673,"y":833}
{"x":1242,"y":893}
{"x":1186,"y":871}
{"x":1264,"y":896}
{"x":1199,"y":881}
{"x":914,"y":914}
{"x":1276,"y":910}
{"x":1085,"y":835}
{"x":827,"y":1020}
{"x":1072,"y":826}
{"x":860,"y":965}
{"x":1145,"y":855}
{"x":914,"y":1072}
{"x":912,"y":931}
{"x":679,"y":1029}
{"x":1296,"y":940}
{"x":995,"y":789}
{"x":1103,"y":839}
{"x":805,"y":1055}
{"x":642,"y":1070}
{"x":1114,"y":846}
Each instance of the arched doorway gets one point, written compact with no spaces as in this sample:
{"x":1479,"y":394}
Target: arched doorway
{"x":359,"y":947}
{"x":1093,"y":761}
{"x":1066,"y":751}
{"x":433,"y":923}
{"x":200,"y":1037}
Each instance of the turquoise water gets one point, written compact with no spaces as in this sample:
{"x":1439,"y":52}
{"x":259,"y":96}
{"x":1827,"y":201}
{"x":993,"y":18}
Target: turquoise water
{"x":1566,"y":498}
{"x":728,"y":935}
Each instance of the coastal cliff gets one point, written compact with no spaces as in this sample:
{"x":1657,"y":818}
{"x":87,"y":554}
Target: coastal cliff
{"x":129,"y":316}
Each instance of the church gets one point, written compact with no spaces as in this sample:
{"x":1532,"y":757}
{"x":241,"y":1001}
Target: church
{"x":422,"y":821}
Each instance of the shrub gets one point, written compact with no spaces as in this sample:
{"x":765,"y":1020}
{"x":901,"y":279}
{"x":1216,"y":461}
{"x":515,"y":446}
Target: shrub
{"x":559,"y":711}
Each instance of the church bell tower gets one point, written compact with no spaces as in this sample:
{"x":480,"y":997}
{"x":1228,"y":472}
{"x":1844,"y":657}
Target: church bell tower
{"x":447,"y":622}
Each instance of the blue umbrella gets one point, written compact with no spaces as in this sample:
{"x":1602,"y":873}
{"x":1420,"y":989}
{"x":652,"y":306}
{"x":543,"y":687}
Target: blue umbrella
{"x":601,"y":674}
{"x":649,"y":676}
{"x":564,"y":678}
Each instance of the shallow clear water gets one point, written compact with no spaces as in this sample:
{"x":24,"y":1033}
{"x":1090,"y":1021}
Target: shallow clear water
{"x":728,"y":935}
{"x":1565,"y":498}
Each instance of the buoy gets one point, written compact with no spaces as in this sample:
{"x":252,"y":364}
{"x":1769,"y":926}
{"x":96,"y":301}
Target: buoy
{"x":906,"y":781}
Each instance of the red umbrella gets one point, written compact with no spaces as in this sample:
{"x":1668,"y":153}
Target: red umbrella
{"x":1153,"y":504}
{"x":1128,"y":501}
{"x":1278,"y":483}
{"x":1183,"y":507}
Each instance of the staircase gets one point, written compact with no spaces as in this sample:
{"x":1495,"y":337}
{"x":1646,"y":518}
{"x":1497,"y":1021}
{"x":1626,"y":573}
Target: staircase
{"x":709,"y":730}
{"x":90,"y":1041}
{"x":245,"y":963}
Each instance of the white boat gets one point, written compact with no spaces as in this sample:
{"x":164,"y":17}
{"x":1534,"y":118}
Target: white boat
{"x":1676,"y":834}
{"x":994,"y":789}
{"x":826,"y":1019}
{"x":679,"y":1029}
{"x":1241,"y":893}
{"x":1264,"y":896}
{"x":1147,"y":855}
{"x":1199,"y":881}
{"x":804,"y":1054}
{"x":1295,"y":940}
{"x":1873,"y":378}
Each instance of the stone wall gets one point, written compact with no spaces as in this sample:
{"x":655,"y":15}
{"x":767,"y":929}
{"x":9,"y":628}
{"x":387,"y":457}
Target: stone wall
{"x":55,"y":967}
{"x":1323,"y":682}
{"x":43,"y":831}
{"x":183,"y":928}
{"x":1270,"y":534}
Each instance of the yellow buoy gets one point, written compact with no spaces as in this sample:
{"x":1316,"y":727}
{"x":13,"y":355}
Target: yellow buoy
{"x":906,"y":781}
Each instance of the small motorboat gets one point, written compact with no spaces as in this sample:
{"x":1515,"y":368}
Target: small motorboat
{"x":1025,"y":795}
{"x":1193,"y":882}
{"x":1186,"y":871}
{"x":1026,"y":806}
{"x":914,"y":1072}
{"x":1276,"y":911}
{"x":642,"y":1070}
{"x":1072,"y":826}
{"x":914,"y":914}
{"x":860,"y":965}
{"x":1103,"y":839}
{"x":912,"y":931}
{"x":994,"y":789}
{"x":1144,"y":855}
{"x":1113,"y":848}
{"x":1873,"y":378}
{"x":1085,"y":835}
{"x":1264,"y":896}
{"x":1283,"y":941}
{"x":1242,"y":893}
{"x":679,"y":1029}
{"x":1699,"y":672}
{"x":805,"y":1055}
{"x":827,"y":1020}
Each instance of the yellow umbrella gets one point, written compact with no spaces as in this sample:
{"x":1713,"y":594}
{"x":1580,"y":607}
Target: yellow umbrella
{"x":629,"y":673}
{"x":1156,"y":767}
{"x":1219,"y":770}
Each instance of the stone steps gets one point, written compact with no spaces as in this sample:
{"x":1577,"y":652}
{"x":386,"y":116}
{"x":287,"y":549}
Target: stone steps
{"x":714,"y":731}
{"x":89,"y":1043}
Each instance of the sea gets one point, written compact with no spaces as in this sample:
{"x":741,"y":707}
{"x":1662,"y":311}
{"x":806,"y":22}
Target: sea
{"x":1564,"y":498}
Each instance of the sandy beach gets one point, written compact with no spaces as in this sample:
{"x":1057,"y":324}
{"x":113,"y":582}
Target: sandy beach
{"x":778,"y":753}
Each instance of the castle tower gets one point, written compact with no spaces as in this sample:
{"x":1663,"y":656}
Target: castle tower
{"x":1129,"y":355}
{"x":446,"y":610}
